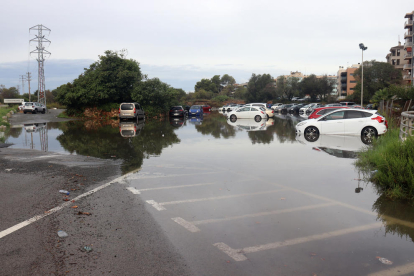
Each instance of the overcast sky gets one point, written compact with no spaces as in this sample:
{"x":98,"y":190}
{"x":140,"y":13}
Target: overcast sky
{"x":183,"y":41}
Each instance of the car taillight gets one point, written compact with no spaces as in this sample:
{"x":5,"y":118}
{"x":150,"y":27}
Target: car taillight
{"x":379,"y":119}
{"x":135,"y":110}
{"x":33,"y":106}
{"x":262,"y":112}
{"x":119,"y":111}
{"x":273,"y":111}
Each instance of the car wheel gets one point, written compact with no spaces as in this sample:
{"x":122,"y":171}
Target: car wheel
{"x":368,"y":134}
{"x":24,"y":112}
{"x":233,"y":118}
{"x":311,"y":134}
{"x":257,"y":118}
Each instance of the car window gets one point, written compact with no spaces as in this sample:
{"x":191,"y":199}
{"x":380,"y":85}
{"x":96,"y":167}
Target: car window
{"x":321,"y":112}
{"x":254,"y":109}
{"x":352,"y":114}
{"x":127,"y":107}
{"x":366,"y":114}
{"x":243,"y":109}
{"x":335,"y":116}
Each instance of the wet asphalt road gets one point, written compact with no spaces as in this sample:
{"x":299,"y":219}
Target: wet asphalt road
{"x":124,"y":238}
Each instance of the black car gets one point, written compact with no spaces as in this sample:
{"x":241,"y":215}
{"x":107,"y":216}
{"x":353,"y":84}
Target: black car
{"x":295,"y":109}
{"x":177,"y":111}
{"x":285,"y":108}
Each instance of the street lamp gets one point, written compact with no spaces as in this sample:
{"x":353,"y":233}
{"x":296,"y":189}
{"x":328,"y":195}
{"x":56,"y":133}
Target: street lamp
{"x":363,"y":48}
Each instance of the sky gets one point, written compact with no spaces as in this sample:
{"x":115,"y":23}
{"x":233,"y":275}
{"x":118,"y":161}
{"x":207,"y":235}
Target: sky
{"x":180,"y":42}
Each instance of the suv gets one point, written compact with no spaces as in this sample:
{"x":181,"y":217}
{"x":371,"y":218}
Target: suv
{"x":131,"y":111}
{"x":34,"y":107}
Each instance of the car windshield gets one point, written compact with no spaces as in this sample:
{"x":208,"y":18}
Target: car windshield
{"x":195,"y":107}
{"x":27,"y":104}
{"x":176,"y":108}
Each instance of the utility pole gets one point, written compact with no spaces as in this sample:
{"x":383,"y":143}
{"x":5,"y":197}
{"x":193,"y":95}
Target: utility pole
{"x":41,"y":53}
{"x":23,"y":78}
{"x":29,"y":78}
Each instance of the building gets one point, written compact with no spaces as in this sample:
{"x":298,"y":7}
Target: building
{"x":346,"y":80}
{"x":295,"y":74}
{"x":396,"y":56}
{"x":408,"y":47}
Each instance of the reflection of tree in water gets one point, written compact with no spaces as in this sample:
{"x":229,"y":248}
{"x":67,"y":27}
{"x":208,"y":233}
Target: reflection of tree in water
{"x":261,"y":137}
{"x":106,"y":142}
{"x":13,"y":132}
{"x":392,"y":212}
{"x":284,"y":129}
{"x":216,"y":125}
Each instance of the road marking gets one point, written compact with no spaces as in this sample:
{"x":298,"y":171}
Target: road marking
{"x":238,"y":254}
{"x":159,"y":206}
{"x":186,"y":224}
{"x":170,"y":175}
{"x":191,"y":226}
{"x":407,"y":269}
{"x":137,"y":192}
{"x":58,"y":208}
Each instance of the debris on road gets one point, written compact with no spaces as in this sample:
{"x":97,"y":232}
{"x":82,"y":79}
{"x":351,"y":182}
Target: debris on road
{"x":84,"y":213}
{"x":64,"y":192}
{"x":62,"y":234}
{"x":385,"y":261}
{"x":7,"y":170}
{"x":74,"y":207}
{"x":86,"y":249}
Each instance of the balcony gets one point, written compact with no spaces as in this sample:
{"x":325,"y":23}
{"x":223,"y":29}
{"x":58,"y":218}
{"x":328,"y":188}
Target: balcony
{"x":408,"y":24}
{"x":408,"y":44}
{"x":407,"y":77}
{"x":408,"y":34}
{"x":343,"y":79}
{"x":408,"y":66}
{"x":408,"y":55}
{"x":343,"y":86}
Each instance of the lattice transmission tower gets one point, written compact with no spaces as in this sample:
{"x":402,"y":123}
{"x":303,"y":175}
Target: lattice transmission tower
{"x":41,"y":55}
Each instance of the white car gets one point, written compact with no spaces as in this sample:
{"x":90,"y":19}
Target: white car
{"x":367,"y":123}
{"x":34,"y":107}
{"x":230,"y":107}
{"x":270,"y":112}
{"x":276,"y":105}
{"x":307,"y":108}
{"x":247,"y":112}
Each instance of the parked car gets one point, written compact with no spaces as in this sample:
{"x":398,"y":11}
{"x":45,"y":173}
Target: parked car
{"x":347,"y":103}
{"x":307,"y":109}
{"x":177,"y":111}
{"x":248,"y":112}
{"x":302,"y":100}
{"x":34,"y":107}
{"x":206,"y":108}
{"x":269,"y":112}
{"x":131,"y":111}
{"x":367,"y":123}
{"x":295,"y":109}
{"x":294,"y":99}
{"x":196,"y":110}
{"x":21,"y":107}
{"x":333,"y":104}
{"x":230,"y":107}
{"x":276,"y":105}
{"x":284,"y":108}
{"x":318,"y":112}
{"x":371,"y":106}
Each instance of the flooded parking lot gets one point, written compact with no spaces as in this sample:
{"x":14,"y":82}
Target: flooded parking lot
{"x":246,"y":197}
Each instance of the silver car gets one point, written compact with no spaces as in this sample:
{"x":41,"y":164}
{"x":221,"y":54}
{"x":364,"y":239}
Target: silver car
{"x":34,"y":107}
{"x":131,"y":111}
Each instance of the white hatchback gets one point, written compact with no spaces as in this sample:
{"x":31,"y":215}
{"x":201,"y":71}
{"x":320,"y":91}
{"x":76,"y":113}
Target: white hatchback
{"x":368,"y":123}
{"x":247,"y":112}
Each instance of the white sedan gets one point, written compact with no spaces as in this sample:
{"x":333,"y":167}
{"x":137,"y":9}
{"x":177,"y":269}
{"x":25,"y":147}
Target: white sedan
{"x":247,"y":112}
{"x":368,"y":123}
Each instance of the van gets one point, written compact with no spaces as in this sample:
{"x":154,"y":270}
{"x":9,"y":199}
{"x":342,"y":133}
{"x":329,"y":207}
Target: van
{"x":131,"y":111}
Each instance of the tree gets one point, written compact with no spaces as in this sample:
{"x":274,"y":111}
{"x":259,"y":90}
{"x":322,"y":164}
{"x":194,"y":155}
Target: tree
{"x":111,"y":79}
{"x":310,"y":86}
{"x":260,"y":88}
{"x":325,"y":87}
{"x":227,"y":80}
{"x":206,"y":85}
{"x":216,"y":81}
{"x":377,"y":75}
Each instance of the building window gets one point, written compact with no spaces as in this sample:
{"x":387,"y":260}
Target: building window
{"x":352,"y":89}
{"x":351,"y":74}
{"x":398,"y":52}
{"x":398,"y":62}
{"x":353,"y":81}
{"x":393,"y":62}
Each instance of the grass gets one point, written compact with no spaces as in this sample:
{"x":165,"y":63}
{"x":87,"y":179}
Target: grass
{"x":64,"y":115}
{"x":3,"y":112}
{"x":394,"y":164}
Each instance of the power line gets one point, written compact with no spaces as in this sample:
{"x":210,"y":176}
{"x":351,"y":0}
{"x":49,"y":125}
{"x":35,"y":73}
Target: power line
{"x":41,"y":54}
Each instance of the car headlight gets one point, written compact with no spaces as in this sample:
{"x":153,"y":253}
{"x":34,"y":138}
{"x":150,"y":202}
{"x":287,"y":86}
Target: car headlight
{"x":302,"y":123}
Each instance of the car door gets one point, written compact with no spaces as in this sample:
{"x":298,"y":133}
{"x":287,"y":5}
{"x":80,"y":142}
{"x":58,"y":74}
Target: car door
{"x":243,"y":112}
{"x":354,"y":122}
{"x":332,"y":123}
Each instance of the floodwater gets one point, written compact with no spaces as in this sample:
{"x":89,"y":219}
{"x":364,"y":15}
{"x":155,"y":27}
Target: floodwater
{"x":248,"y":198}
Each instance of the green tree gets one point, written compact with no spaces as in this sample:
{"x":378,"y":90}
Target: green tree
{"x":377,"y":75}
{"x":325,"y":87}
{"x":227,"y":80}
{"x":109,"y":80}
{"x":206,"y":85}
{"x":310,"y":86}
{"x":217,"y":83}
{"x":260,"y":88}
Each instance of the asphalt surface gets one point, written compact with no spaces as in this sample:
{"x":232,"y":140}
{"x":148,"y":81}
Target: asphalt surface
{"x":123,"y":236}
{"x":50,"y":116}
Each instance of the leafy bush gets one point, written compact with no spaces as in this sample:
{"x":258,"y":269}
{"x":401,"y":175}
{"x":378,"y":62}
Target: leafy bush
{"x":394,"y":162}
{"x":220,"y":98}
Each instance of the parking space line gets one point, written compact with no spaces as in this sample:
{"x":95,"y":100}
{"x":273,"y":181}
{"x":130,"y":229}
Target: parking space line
{"x":239,"y":254}
{"x":137,"y":192}
{"x":159,"y":206}
{"x":191,"y":226}
{"x":407,"y":269}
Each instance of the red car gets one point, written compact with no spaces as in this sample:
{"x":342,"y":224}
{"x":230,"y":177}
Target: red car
{"x":318,"y":112}
{"x":206,"y":108}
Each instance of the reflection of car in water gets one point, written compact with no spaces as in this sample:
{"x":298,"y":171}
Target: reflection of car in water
{"x":176,"y":122}
{"x":34,"y":127}
{"x":249,"y":124}
{"x":196,"y":120}
{"x":336,"y":145}
{"x":130,"y":129}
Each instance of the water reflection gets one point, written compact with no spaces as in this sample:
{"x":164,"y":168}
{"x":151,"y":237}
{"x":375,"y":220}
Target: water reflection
{"x":177,"y":121}
{"x":196,"y":120}
{"x":105,"y":142}
{"x":216,"y":125}
{"x":131,"y":129}
{"x":336,"y":145}
{"x":248,"y":124}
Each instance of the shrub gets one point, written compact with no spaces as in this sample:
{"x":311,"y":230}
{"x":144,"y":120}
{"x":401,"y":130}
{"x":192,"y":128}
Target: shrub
{"x":220,"y":98}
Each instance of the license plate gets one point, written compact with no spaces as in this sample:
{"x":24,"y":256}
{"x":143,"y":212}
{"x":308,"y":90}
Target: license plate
{"x":175,"y":114}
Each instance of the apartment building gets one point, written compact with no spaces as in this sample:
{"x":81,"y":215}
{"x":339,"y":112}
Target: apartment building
{"x":396,"y":56}
{"x":408,"y":47}
{"x":346,"y":80}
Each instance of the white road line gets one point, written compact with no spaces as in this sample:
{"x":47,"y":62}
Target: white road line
{"x":60,"y":207}
{"x":161,"y":208}
{"x":137,"y":192}
{"x":170,"y":175}
{"x":187,"y":225}
{"x":407,"y":269}
{"x":191,"y":226}
{"x":238,"y":254}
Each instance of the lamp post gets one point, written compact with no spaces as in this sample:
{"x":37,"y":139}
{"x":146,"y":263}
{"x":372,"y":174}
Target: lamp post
{"x":363,"y":48}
